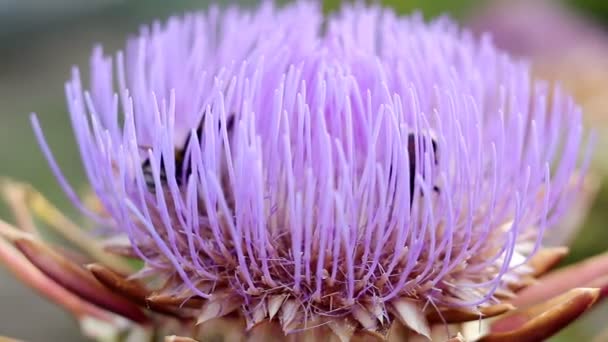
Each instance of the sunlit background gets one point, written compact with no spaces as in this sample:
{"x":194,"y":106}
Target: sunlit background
{"x":41,"y":40}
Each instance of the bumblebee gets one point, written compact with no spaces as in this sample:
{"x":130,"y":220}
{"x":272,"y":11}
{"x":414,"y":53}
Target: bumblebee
{"x":182,"y":168}
{"x":411,"y":149}
{"x":412,"y":153}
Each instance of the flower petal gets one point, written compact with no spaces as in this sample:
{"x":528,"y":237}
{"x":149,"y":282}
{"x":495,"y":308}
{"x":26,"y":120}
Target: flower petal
{"x":562,"y":280}
{"x":257,"y":315}
{"x":342,"y":328}
{"x":546,"y":259}
{"x":274,"y":304}
{"x":24,"y":199}
{"x":411,"y":315}
{"x":15,"y":198}
{"x":541,"y":321}
{"x":132,"y":290}
{"x":175,"y":301}
{"x":218,"y":306}
{"x":602,"y":284}
{"x":31,"y":276}
{"x":458,"y":316}
{"x":76,"y":279}
{"x":367,"y":319}
{"x":289,"y":316}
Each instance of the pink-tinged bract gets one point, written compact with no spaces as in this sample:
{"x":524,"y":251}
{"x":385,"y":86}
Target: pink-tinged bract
{"x":297,"y":190}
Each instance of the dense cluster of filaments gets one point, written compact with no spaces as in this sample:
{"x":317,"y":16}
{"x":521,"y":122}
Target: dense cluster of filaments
{"x":273,"y":159}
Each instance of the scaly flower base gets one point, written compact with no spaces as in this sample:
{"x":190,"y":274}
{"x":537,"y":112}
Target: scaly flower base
{"x":95,"y":288}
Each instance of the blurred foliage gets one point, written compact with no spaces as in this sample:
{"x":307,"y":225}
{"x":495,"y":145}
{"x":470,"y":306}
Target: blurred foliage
{"x":593,"y":237}
{"x":594,"y":9}
{"x":430,"y":8}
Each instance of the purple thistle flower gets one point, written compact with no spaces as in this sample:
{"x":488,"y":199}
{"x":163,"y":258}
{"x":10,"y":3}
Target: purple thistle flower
{"x":370,"y":166}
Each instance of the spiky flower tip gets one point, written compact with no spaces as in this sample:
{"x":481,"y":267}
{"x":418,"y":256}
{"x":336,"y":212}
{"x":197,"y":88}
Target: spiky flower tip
{"x":346,"y":172}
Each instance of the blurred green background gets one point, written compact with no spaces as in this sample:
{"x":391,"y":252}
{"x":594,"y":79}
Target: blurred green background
{"x":41,"y":40}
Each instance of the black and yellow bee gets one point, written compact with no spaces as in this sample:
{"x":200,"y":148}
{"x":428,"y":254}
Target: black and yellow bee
{"x":182,"y":168}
